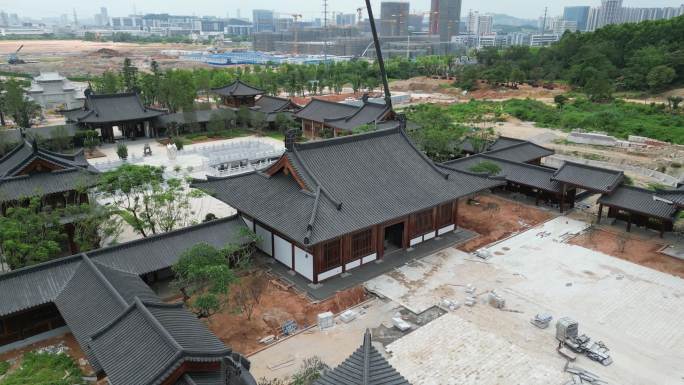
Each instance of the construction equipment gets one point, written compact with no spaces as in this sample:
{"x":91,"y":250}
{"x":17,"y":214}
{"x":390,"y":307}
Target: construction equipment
{"x":14,"y":57}
{"x":541,"y":320}
{"x":567,"y":332}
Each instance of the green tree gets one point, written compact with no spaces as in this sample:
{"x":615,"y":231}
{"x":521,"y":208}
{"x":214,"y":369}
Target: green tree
{"x":146,"y":201}
{"x":177,"y":90}
{"x":60,"y":139}
{"x":203,"y":276}
{"x":659,"y":77}
{"x":467,"y":78}
{"x":17,"y":105}
{"x":258,"y":121}
{"x":284,"y":122}
{"x":129,"y":76}
{"x":674,"y":102}
{"x":29,"y":235}
{"x":560,"y":101}
{"x":599,"y":88}
{"x":109,"y":83}
{"x":244,"y":116}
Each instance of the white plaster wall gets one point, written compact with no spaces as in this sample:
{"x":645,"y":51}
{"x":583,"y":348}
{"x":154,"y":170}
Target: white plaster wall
{"x":304,"y":263}
{"x":282,"y":251}
{"x":265,"y":241}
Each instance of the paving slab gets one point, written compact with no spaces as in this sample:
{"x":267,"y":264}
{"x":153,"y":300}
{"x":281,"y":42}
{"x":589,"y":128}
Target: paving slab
{"x":358,"y":276}
{"x":634,"y":310}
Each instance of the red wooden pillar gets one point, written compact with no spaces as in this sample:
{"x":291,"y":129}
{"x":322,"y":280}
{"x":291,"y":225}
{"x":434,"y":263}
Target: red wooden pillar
{"x":317,"y":255}
{"x":562,"y":198}
{"x":380,"y":240}
{"x":407,"y":232}
{"x":454,"y":213}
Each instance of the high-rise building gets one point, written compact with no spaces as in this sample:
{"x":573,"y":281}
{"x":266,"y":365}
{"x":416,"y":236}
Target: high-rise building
{"x":415,"y":22}
{"x":345,"y":19}
{"x":610,"y":12}
{"x":471,"y":22}
{"x":579,"y":14}
{"x":394,"y":18}
{"x":485,"y":23}
{"x":434,"y":17}
{"x":263,"y":20}
{"x":445,"y":16}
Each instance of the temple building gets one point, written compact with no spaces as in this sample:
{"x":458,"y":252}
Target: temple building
{"x":338,"y":119}
{"x":128,"y":333}
{"x":58,"y":179}
{"x":115,"y":114}
{"x":238,"y":94}
{"x":366,"y":366}
{"x":330,"y":206}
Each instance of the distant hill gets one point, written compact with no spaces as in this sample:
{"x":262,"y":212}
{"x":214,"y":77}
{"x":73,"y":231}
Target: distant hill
{"x":502,"y":19}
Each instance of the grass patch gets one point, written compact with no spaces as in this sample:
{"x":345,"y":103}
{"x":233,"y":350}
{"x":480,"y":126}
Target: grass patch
{"x":617,"y":118}
{"x":4,"y":367}
{"x":275,"y":135}
{"x":45,"y":369}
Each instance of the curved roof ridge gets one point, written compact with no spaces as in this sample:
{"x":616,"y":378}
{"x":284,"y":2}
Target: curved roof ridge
{"x":13,"y":151}
{"x":101,"y":277}
{"x":366,"y":358}
{"x":157,"y":325}
{"x":312,"y":219}
{"x":325,"y":191}
{"x":345,"y":139}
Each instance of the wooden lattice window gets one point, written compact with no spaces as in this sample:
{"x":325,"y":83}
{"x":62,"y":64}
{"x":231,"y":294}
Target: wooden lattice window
{"x":423,"y":222}
{"x":362,"y":244}
{"x":331,"y":255}
{"x":444,"y":215}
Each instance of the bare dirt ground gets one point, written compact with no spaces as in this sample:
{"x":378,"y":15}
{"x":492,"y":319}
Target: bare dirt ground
{"x":424,"y":84}
{"x":277,"y":305}
{"x":79,"y":58}
{"x":496,"y":218}
{"x":630,"y":247}
{"x":74,"y":351}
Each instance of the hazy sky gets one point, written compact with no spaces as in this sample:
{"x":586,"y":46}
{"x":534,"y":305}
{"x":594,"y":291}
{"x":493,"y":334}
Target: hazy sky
{"x":308,"y":8}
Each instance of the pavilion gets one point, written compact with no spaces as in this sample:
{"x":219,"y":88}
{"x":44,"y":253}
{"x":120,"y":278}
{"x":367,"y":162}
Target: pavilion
{"x":238,"y":94}
{"x":124,"y":111}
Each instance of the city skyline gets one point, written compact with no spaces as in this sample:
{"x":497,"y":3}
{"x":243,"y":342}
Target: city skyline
{"x":310,"y":9}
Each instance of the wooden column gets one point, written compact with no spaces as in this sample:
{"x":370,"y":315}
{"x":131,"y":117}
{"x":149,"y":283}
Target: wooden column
{"x":454,"y":213}
{"x":600,"y":213}
{"x":629,"y":222}
{"x":316,"y":262}
{"x":405,"y":237}
{"x":562,"y":198}
{"x":434,"y":218}
{"x":380,"y":240}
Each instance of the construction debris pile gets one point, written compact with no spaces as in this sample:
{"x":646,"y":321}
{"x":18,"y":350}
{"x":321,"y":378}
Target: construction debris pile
{"x":567,"y":333}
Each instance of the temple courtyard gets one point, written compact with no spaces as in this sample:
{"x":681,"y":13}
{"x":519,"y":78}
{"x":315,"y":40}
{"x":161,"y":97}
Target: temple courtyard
{"x":633,"y":309}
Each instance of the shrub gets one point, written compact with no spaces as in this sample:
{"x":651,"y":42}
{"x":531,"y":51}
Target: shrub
{"x":122,"y":151}
{"x":4,"y":367}
{"x":486,"y":166}
{"x":178,"y":141}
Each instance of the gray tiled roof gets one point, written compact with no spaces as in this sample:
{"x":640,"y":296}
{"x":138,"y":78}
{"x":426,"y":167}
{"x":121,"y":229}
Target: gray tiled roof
{"x":514,"y":172}
{"x":108,"y":108}
{"x":270,"y":104}
{"x":319,"y":110}
{"x":150,"y":340}
{"x":366,"y":114}
{"x":94,"y":296}
{"x":25,"y":153}
{"x":674,"y":196}
{"x":366,"y":366}
{"x":13,"y":188}
{"x":39,"y":284}
{"x":504,"y":142}
{"x":521,"y":152}
{"x":589,"y":177}
{"x":364,"y":180}
{"x":238,"y":88}
{"x":640,"y":201}
{"x":161,"y":251}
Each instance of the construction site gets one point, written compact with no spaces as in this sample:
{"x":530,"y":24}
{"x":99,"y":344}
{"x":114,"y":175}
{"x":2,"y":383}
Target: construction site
{"x":540,"y":309}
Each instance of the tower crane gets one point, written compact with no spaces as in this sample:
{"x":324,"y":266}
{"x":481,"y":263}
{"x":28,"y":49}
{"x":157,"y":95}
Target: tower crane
{"x":295,"y":28}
